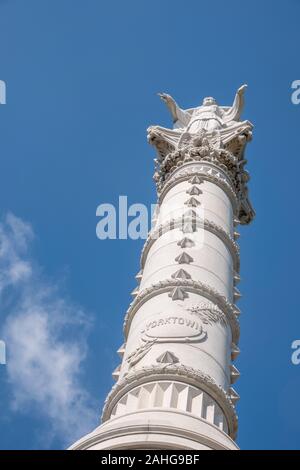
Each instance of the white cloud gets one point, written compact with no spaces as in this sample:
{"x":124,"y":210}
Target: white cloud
{"x":46,"y":337}
{"x":15,"y":236}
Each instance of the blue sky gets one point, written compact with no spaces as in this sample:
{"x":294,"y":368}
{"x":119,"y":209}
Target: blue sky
{"x":82,"y":78}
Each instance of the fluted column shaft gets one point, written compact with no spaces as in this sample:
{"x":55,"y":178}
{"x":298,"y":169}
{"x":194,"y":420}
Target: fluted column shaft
{"x":181,"y":330}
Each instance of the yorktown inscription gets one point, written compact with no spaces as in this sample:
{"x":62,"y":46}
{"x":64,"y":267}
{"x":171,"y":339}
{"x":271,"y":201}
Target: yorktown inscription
{"x":167,"y":329}
{"x":188,"y":328}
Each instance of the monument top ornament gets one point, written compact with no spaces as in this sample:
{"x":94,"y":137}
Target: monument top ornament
{"x":209,"y":133}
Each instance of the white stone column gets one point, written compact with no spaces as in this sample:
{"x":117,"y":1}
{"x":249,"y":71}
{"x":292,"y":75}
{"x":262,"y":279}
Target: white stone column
{"x":174,"y":386}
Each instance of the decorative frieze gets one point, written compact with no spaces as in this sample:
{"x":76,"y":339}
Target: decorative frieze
{"x":197,"y":287}
{"x":173,"y":395}
{"x":179,"y":373}
{"x":207,"y":172}
{"x":205,"y":224}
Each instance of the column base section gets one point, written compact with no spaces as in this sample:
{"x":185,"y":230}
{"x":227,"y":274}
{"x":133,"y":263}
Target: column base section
{"x":156,"y":429}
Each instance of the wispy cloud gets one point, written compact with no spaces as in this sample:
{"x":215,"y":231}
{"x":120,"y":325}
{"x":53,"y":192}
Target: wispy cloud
{"x":46,"y":337}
